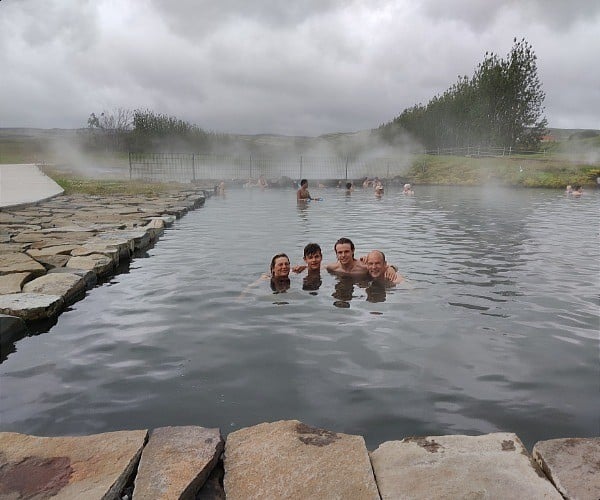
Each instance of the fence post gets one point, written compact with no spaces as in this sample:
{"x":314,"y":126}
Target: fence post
{"x":346,"y":167}
{"x":250,"y":177}
{"x":194,"y":167}
{"x":509,"y":150}
{"x":300,"y":178}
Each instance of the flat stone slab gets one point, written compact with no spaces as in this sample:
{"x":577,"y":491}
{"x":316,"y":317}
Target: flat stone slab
{"x":53,"y":261}
{"x":440,"y":467}
{"x":13,"y":283}
{"x":141,"y":238}
{"x":572,"y":464}
{"x":90,"y":277}
{"x":289,"y":459}
{"x":100,"y":264}
{"x":69,"y":286}
{"x":111,"y":251}
{"x":20,"y":263}
{"x":176,"y":462}
{"x":31,"y":306}
{"x":90,"y":467}
{"x":52,"y":250}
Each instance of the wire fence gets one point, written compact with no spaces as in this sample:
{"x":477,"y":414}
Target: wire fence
{"x":480,"y":151}
{"x":188,"y":167}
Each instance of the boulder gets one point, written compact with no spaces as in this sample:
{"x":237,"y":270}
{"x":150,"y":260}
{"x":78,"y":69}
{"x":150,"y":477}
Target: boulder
{"x":96,"y":466}
{"x":176,"y":462}
{"x":289,"y":459}
{"x":31,"y":306}
{"x":572,"y":464}
{"x":69,"y":286}
{"x":439,"y":467}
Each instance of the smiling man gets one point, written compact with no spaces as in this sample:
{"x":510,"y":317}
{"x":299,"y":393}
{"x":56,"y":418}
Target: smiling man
{"x":378,"y":268}
{"x":346,"y":264}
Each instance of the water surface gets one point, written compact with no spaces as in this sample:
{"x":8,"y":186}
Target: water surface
{"x":496,"y":328}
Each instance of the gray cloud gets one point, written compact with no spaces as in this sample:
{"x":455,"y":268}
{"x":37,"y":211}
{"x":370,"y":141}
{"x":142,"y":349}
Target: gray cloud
{"x":304,"y":68}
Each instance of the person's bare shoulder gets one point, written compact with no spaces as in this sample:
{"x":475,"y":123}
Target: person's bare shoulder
{"x":333,"y":267}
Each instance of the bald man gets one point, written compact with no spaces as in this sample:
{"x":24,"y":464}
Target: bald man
{"x":377,"y":268}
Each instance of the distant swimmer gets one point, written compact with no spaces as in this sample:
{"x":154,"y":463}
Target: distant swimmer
{"x":378,"y":188}
{"x":303,"y":194}
{"x":578,"y":191}
{"x":349,"y":188}
{"x":407,"y":190}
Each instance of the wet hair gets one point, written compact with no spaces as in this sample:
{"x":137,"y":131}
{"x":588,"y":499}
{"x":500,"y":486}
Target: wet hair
{"x":343,"y":241}
{"x":276,"y":257}
{"x":348,"y":185}
{"x":303,"y":182}
{"x":311,"y":249}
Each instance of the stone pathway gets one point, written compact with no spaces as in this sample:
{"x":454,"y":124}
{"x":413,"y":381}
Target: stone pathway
{"x":53,"y":251}
{"x":289,"y":459}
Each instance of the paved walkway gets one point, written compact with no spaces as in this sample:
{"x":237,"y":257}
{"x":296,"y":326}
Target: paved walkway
{"x":25,"y":183}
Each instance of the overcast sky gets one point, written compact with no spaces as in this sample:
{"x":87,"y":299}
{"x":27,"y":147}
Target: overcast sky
{"x":287,"y":67}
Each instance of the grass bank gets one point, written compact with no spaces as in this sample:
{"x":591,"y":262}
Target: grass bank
{"x":544,"y":172}
{"x":106,"y":187}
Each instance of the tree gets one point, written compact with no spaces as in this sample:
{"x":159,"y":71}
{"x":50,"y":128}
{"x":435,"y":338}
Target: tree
{"x":109,"y":131}
{"x":501,"y":104}
{"x":511,"y":96}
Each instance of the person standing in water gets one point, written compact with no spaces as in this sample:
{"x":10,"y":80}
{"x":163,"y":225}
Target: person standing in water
{"x":302,"y":194}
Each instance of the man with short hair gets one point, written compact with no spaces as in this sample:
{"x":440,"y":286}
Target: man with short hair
{"x":346,"y":264}
{"x":313,"y":258}
{"x":377,"y":268}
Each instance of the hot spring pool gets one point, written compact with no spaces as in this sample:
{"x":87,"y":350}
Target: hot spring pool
{"x":496,"y":329}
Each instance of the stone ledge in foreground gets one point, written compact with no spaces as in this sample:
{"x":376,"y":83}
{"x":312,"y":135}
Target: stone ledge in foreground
{"x":289,"y":459}
{"x":90,"y":467}
{"x":439,"y":467}
{"x":572,"y":464}
{"x":176,"y":462}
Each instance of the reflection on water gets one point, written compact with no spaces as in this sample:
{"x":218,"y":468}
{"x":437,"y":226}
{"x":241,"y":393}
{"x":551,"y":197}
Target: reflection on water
{"x":496,"y":327}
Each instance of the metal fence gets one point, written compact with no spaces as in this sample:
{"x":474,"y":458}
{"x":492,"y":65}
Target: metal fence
{"x":188,"y":167}
{"x":479,"y":151}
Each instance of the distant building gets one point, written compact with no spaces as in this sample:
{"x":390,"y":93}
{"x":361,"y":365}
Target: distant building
{"x":548,"y":138}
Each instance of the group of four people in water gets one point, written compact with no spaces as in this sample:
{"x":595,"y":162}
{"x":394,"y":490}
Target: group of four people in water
{"x":373,"y":267}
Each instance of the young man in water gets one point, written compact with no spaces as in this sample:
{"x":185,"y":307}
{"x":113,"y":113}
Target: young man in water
{"x":346,"y":264}
{"x":377,"y":268}
{"x":313,"y":258}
